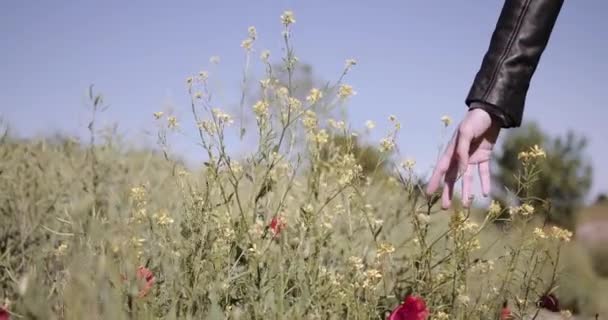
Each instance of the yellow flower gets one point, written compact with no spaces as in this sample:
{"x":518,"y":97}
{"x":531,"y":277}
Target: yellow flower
{"x":162,"y":218}
{"x":527,"y":209}
{"x":252,"y":32}
{"x":265,"y":55}
{"x":387,"y":144}
{"x":61,"y":249}
{"x":539,"y":233}
{"x":566,"y":314}
{"x":288,"y":18}
{"x":203,"y":75}
{"x":538,"y":152}
{"x":314,"y":95}
{"x":346,"y":91}
{"x":247,"y":44}
{"x":561,"y":234}
{"x":158,"y":115}
{"x":260,"y":108}
{"x":349,"y":63}
{"x":385,"y":248}
{"x":356,"y":262}
{"x":446,"y":120}
{"x":408,"y":164}
{"x":172,"y":122}
{"x":322,"y":137}
{"x":198,"y":95}
{"x":392,"y":118}
{"x":370,"y":124}
{"x":495,"y":208}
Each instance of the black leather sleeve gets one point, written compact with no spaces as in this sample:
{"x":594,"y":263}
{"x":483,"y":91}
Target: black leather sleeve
{"x":519,"y":39}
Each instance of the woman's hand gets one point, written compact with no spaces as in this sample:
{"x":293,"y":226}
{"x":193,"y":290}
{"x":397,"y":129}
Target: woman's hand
{"x":471,"y":146}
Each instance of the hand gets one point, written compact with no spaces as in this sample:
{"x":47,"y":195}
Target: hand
{"x":470,"y":146}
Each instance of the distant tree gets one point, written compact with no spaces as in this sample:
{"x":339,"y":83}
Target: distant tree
{"x":565,"y":177}
{"x":601,"y":198}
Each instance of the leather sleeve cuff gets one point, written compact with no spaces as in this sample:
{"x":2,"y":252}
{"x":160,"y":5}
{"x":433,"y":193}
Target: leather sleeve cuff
{"x":519,"y":39}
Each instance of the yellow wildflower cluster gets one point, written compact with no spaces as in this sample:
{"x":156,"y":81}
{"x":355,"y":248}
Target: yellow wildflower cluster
{"x":162,"y":218}
{"x":561,"y":234}
{"x":222,"y":117}
{"x":288,"y":18}
{"x":385,"y":249}
{"x":345,"y":91}
{"x":247,"y":44}
{"x":60,"y":251}
{"x":533,"y":153}
{"x":387,"y":144}
{"x":265,"y":55}
{"x":310,"y":120}
{"x":158,"y":115}
{"x":172,"y":122}
{"x":260,"y":109}
{"x":524,"y":210}
{"x":440,"y":315}
{"x":408,"y":164}
{"x":348,"y":169}
{"x":314,"y":96}
{"x":446,"y":120}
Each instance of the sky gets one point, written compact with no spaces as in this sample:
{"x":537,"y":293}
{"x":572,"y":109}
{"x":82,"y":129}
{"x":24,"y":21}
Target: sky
{"x":415,"y":59}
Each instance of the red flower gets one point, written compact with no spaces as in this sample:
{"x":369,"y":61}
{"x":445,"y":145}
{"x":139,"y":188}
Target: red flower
{"x":549,"y":302}
{"x":505,"y":314}
{"x":412,"y":308}
{"x":277,"y":224}
{"x":144,"y":274}
{"x":4,"y":314}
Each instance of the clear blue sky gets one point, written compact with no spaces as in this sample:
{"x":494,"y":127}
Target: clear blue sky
{"x":416,"y":60}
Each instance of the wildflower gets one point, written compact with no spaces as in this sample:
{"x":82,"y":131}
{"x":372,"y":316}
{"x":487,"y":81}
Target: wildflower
{"x":561,"y":234}
{"x":314,"y":95}
{"x":310,"y":119}
{"x":356,"y":262}
{"x":537,"y":152}
{"x":158,"y":115}
{"x":370,"y":124}
{"x":288,"y":18}
{"x":265,"y":83}
{"x":163,"y":218}
{"x":385,"y":248}
{"x":265,"y":55}
{"x":203,"y":75}
{"x":495,"y":208}
{"x":214,"y":59}
{"x":392,"y":118}
{"x":277,"y":224}
{"x":222,"y":117}
{"x":198,"y":95}
{"x":446,"y":120}
{"x":260,"y":108}
{"x":252,"y":32}
{"x":172,"y":122}
{"x":412,"y":308}
{"x":549,"y":302}
{"x":527,"y":209}
{"x":408,"y":164}
{"x":566,"y":314}
{"x":387,"y":144}
{"x":138,"y":194}
{"x":349,"y":63}
{"x":346,"y":91}
{"x":60,"y":251}
{"x":373,"y":274}
{"x":247,"y":44}
{"x":322,"y":137}
{"x":294,"y":104}
{"x":189,"y":81}
{"x":144,"y":274}
{"x":539,"y":233}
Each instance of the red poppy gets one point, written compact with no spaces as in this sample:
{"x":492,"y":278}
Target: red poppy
{"x":412,"y":308}
{"x":277,"y":224}
{"x":549,"y":302}
{"x":4,"y":314}
{"x":505,"y":314}
{"x":144,"y":274}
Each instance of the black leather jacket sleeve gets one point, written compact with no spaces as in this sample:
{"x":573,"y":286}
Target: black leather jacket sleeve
{"x":519,"y":39}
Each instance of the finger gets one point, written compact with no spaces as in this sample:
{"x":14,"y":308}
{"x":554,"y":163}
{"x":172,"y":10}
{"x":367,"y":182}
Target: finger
{"x":467,"y":181}
{"x":462,"y":150}
{"x":484,"y":176}
{"x":448,"y":189}
{"x":442,"y":167}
